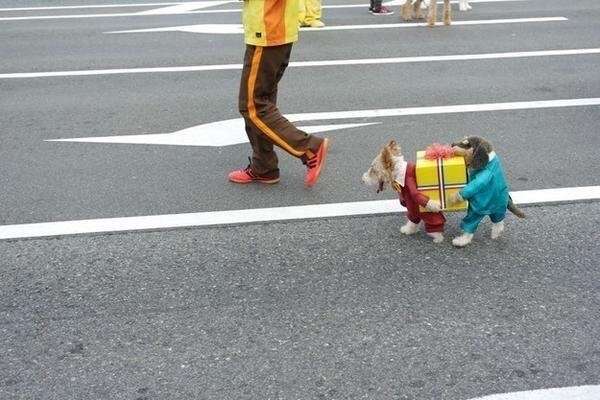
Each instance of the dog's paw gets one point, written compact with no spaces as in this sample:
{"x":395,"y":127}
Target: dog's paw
{"x":410,"y":228}
{"x":497,"y":230}
{"x":433,"y":206}
{"x":462,"y":240}
{"x":437,"y":237}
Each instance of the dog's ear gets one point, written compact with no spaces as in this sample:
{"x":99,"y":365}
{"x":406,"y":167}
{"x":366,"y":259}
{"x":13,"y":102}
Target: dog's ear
{"x":387,"y":163}
{"x":387,"y":160}
{"x":480,"y":156}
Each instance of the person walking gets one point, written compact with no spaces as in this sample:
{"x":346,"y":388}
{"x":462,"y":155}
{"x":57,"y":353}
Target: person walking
{"x":270,"y":29}
{"x":310,"y":13}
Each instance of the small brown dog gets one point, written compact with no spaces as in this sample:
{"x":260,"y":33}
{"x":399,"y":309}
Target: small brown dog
{"x":390,"y":169}
{"x":410,"y":10}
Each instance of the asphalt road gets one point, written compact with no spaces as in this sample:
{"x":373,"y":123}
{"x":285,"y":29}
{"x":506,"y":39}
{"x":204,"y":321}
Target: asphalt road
{"x":340,"y":308}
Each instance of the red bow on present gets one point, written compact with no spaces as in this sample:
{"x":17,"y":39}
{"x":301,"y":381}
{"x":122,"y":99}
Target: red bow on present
{"x":437,"y":151}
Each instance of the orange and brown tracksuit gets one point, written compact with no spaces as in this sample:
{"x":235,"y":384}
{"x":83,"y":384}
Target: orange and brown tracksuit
{"x":271,"y":28}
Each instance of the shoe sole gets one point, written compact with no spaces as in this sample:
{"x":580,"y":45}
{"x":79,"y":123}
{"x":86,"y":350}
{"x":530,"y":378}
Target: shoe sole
{"x":325,"y":147}
{"x":263,"y":181}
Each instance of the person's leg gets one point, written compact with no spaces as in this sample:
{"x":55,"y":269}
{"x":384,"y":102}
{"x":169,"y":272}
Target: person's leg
{"x":375,"y":5}
{"x":302,"y":12}
{"x":266,"y":66}
{"x":264,"y":160}
{"x":313,"y":12}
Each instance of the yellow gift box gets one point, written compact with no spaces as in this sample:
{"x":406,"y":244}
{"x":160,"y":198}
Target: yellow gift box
{"x":441,"y":178}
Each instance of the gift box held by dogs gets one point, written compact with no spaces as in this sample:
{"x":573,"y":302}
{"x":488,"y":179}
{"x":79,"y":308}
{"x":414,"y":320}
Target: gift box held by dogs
{"x":440,"y":178}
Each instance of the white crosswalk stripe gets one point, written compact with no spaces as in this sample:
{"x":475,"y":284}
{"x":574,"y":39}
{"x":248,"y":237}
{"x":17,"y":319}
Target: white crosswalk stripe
{"x":236,"y":217}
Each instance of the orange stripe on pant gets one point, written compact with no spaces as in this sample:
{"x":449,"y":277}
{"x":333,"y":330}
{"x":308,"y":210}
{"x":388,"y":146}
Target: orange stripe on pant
{"x":256,"y":58}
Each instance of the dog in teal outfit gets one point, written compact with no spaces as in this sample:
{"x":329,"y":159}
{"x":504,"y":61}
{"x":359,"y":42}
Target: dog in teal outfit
{"x":487,"y":190}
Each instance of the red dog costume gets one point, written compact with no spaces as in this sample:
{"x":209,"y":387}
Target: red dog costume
{"x":411,"y":198}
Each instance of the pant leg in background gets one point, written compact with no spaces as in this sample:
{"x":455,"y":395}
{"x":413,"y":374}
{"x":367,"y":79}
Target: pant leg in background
{"x":375,"y":4}
{"x":265,"y":125}
{"x":310,"y":10}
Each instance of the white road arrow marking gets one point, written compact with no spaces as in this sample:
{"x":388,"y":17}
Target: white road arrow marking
{"x":401,"y":2}
{"x":238,"y":29}
{"x":131,"y":5}
{"x":231,"y":131}
{"x":193,"y":11}
{"x":185,"y":8}
{"x":216,"y":134}
{"x":302,"y":64}
{"x":173,"y":3}
{"x":176,"y":8}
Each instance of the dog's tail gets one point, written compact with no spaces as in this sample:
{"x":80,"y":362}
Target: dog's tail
{"x":512,"y":207}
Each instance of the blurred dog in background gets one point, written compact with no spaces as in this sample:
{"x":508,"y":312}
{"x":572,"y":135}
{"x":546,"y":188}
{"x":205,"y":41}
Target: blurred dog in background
{"x":412,"y":10}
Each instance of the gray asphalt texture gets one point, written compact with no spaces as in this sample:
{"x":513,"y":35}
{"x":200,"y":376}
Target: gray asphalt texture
{"x":342,"y":308}
{"x":333,"y":309}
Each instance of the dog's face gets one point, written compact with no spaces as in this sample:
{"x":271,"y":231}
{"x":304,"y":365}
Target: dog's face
{"x":381,"y":171}
{"x":475,"y":151}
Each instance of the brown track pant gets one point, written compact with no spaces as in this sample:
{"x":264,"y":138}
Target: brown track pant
{"x":265,"y":126}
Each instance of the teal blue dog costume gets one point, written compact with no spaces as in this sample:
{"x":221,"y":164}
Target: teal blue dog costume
{"x":487,"y":193}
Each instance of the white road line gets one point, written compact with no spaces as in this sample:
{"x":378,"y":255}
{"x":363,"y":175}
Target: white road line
{"x":178,"y":9}
{"x":323,"y":63}
{"x":568,"y":393}
{"x":391,"y":3}
{"x":461,"y":108}
{"x":238,"y":29}
{"x":90,"y":6}
{"x":236,"y":217}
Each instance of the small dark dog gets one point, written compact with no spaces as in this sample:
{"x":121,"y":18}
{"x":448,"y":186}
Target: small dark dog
{"x":487,"y":190}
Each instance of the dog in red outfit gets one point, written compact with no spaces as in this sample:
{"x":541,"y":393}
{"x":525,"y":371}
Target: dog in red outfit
{"x":390,"y":169}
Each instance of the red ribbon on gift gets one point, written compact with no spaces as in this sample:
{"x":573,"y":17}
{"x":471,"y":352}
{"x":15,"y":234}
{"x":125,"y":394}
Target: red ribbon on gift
{"x":438,"y":151}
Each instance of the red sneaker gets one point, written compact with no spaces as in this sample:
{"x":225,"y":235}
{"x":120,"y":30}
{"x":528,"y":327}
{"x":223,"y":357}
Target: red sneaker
{"x":247,"y":176}
{"x":316,"y":164}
